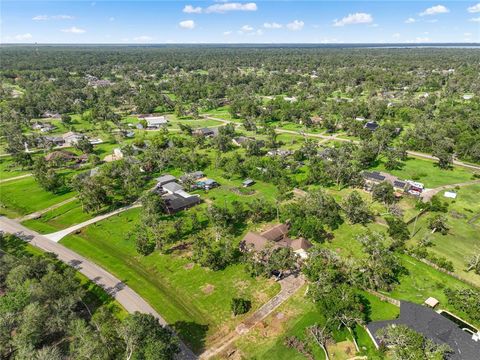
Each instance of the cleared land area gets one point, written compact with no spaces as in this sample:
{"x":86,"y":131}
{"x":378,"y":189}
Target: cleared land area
{"x":194,"y":300}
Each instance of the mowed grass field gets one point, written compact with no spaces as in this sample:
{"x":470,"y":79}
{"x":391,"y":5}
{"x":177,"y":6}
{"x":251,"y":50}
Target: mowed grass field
{"x":266,"y":341}
{"x":463,"y":238}
{"x":25,"y":196}
{"x":194,"y":300}
{"x":428,"y":172}
{"x":419,"y":281}
{"x":60,"y":218}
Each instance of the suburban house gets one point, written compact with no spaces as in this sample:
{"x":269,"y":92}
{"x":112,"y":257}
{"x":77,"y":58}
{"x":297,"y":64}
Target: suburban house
{"x":54,"y":140}
{"x":165,"y":179}
{"x":279,"y":152}
{"x":316,"y":119}
{"x":206,"y":184}
{"x":71,"y":138}
{"x":51,"y":115}
{"x":175,"y":203}
{"x":464,"y":341}
{"x":205,"y":132}
{"x":400,"y":186}
{"x":243,"y":140}
{"x":176,"y":198}
{"x":43,"y":127}
{"x":371,"y":125}
{"x":155,"y":122}
{"x":193,"y":176}
{"x":277,"y":237}
{"x":117,"y":155}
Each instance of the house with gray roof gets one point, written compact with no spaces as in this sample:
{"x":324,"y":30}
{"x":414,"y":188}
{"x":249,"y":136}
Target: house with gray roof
{"x":465,"y":345}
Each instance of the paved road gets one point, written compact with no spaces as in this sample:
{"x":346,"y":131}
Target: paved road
{"x":59,"y":235}
{"x":128,"y":298}
{"x":428,"y":194}
{"x":39,"y":213}
{"x":289,"y":285}
{"x":336,"y":138}
{"x":15,"y":178}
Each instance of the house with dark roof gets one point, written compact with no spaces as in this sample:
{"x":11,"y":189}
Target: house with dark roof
{"x":205,"y":132}
{"x":371,"y":125}
{"x":248,"y":182}
{"x":434,"y":326}
{"x":195,"y":175}
{"x":175,"y":203}
{"x":276,"y":237}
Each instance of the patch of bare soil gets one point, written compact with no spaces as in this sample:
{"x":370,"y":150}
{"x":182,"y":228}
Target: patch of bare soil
{"x":189,"y":266}
{"x":208,"y":289}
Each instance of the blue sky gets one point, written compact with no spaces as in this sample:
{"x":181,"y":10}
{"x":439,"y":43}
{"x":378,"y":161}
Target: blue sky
{"x":271,"y":21}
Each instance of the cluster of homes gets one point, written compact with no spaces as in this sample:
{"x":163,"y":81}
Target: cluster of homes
{"x":400,"y":186}
{"x":173,"y":191}
{"x":68,"y":139}
{"x":275,"y":237}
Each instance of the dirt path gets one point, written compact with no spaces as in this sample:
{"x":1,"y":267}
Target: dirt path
{"x":128,"y":298}
{"x":427,"y":195}
{"x":39,"y":213}
{"x":15,"y":178}
{"x":289,"y":286}
{"x":59,"y":235}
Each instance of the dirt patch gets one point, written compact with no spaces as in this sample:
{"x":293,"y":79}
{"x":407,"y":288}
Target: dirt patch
{"x":208,"y":289}
{"x":189,"y":266}
{"x":341,"y":350}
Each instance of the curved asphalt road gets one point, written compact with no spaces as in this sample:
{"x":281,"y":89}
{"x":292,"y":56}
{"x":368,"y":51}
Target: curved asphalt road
{"x":128,"y":298}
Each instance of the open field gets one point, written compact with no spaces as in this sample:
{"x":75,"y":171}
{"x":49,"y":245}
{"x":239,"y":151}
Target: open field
{"x":25,"y":196}
{"x":194,"y":300}
{"x":428,"y":173}
{"x":463,"y":238}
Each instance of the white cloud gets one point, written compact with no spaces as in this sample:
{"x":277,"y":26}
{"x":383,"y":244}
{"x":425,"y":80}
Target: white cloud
{"x":410,"y":20}
{"x":434,"y":10}
{"x":295,"y":25}
{"x":475,"y":19}
{"x":225,"y":7}
{"x":52,"y":17}
{"x":143,"y":38}
{"x":23,"y":37}
{"x":272,"y":25}
{"x":422,"y":39}
{"x":246,"y":28}
{"x":226,"y":33}
{"x":474,"y":8}
{"x":357,"y":18}
{"x":468,"y":34}
{"x":187,"y":24}
{"x":189,"y":9}
{"x":74,"y":30}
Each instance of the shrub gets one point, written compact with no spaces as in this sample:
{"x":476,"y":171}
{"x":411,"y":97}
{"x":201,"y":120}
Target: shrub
{"x":240,"y":306}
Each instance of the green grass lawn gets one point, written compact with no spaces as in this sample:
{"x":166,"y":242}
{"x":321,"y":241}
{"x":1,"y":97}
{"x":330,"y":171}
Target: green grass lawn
{"x":194,"y":300}
{"x":428,"y":173}
{"x":9,"y":169}
{"x":464,"y":234}
{"x":59,"y":218}
{"x":291,"y":319}
{"x":25,"y":196}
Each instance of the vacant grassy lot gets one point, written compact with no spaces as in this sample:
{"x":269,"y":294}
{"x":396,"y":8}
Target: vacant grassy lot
{"x":428,"y":173}
{"x":9,"y":169}
{"x":59,"y":218}
{"x":24,"y":196}
{"x":194,"y":300}
{"x":266,"y":340}
{"x":463,"y":238}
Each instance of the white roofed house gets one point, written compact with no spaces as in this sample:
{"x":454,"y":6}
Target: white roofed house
{"x":156,"y":122}
{"x":71,"y":138}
